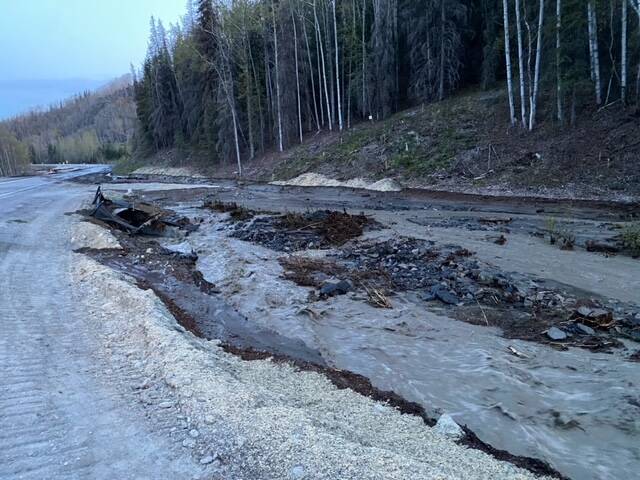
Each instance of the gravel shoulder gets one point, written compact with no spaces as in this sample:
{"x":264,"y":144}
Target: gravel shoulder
{"x":260,"y":419}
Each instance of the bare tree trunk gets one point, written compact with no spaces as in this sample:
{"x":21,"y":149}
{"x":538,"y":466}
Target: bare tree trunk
{"x":636,"y":6}
{"x":313,"y":82}
{"x":275,"y":49}
{"x":225,"y":76}
{"x":523,"y":95}
{"x":321,"y":95}
{"x":443,"y":19}
{"x":623,"y":74}
{"x":328,"y":45}
{"x":268,"y":91}
{"x":536,"y":79}
{"x":295,"y":47}
{"x":507,"y":57}
{"x":335,"y":37}
{"x":560,"y":113}
{"x":257,"y":90}
{"x":364,"y":59}
{"x":593,"y":50}
{"x":324,"y":70}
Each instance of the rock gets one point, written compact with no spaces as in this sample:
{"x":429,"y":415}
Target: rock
{"x":296,"y":473}
{"x":427,"y":296}
{"x":599,"y":313}
{"x":194,"y":433}
{"x":554,"y":333}
{"x":188,"y":443}
{"x":206,"y":460}
{"x":166,"y":405}
{"x":442,"y":294}
{"x":334,"y":289}
{"x":448,"y":427}
{"x":583,"y":311}
{"x":585,"y":330}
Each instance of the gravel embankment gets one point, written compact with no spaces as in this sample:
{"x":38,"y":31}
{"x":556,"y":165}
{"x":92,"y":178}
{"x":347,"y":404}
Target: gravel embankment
{"x":260,"y":419}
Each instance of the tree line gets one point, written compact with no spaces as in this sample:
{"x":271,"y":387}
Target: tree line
{"x":234,"y":79}
{"x":14,"y":156}
{"x":88,"y":128}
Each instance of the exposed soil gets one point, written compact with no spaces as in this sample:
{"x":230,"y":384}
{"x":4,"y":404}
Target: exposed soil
{"x":235,"y":211}
{"x":299,"y":231}
{"x":452,"y":277}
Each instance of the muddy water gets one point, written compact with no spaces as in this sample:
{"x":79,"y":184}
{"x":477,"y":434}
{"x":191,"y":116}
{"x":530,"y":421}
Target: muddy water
{"x":214,"y":318}
{"x":577,"y":410}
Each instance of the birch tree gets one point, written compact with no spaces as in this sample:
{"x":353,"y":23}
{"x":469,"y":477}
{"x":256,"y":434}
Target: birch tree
{"x":275,"y":54}
{"x":536,"y":78}
{"x":338,"y":86}
{"x":295,"y":47}
{"x":324,"y":68}
{"x":521,"y":72}
{"x":623,"y":47}
{"x":507,"y":55}
{"x":559,"y":111}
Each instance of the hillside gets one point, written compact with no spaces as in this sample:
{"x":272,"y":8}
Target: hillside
{"x":464,"y":144}
{"x":460,"y":94}
{"x":90,"y":127}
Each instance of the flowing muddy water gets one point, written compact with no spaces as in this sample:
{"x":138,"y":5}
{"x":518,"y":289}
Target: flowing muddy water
{"x":578,"y":410}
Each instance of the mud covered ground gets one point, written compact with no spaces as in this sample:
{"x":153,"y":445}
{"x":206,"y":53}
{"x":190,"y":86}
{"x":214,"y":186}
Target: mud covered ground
{"x":445,"y":275}
{"x":487,"y":262}
{"x":196,"y":305}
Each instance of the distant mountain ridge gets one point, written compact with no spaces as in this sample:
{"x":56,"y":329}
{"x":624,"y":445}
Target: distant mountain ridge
{"x":87,"y":127}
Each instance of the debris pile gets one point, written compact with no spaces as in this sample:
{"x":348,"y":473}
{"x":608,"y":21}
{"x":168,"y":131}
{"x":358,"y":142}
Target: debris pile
{"x":235,"y":211}
{"x":449,"y":276}
{"x":135,"y":218}
{"x":299,"y":231}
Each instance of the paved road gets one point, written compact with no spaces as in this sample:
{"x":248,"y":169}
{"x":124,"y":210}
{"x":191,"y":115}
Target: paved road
{"x":61,"y":416}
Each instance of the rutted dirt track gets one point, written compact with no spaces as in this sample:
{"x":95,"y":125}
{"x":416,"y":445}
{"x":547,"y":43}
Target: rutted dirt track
{"x":61,"y":414}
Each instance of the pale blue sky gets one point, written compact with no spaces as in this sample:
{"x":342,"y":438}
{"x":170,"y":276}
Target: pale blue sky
{"x":77,"y":38}
{"x":91,"y":40}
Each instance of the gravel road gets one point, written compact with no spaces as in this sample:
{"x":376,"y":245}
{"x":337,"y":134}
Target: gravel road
{"x":62,"y":415}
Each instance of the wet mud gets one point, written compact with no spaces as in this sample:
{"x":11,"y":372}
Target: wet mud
{"x":448,"y":276}
{"x":578,"y":421}
{"x":198,"y":308}
{"x":174,"y":278}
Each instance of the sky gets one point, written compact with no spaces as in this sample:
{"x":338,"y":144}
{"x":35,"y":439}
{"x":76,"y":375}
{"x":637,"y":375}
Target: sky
{"x":50,"y":49}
